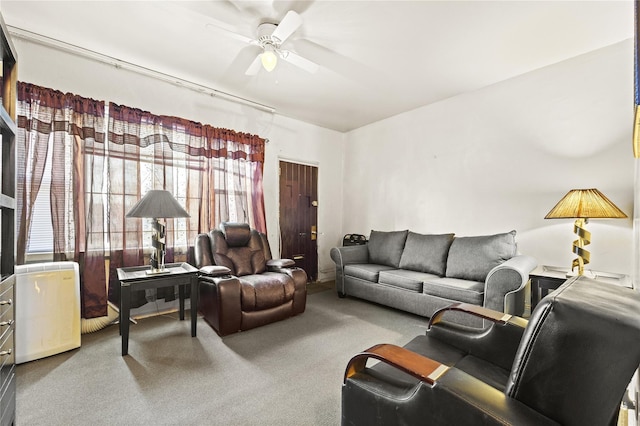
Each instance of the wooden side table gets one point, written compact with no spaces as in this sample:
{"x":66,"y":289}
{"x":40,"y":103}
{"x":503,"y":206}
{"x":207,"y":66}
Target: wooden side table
{"x":545,"y":279}
{"x":136,"y":278}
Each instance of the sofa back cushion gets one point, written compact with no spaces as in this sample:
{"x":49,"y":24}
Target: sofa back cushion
{"x":426,"y":253}
{"x":471,"y":258}
{"x":385,"y":248}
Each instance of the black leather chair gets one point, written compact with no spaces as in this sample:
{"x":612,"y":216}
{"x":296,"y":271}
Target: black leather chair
{"x":570,"y":365}
{"x":241,"y":286}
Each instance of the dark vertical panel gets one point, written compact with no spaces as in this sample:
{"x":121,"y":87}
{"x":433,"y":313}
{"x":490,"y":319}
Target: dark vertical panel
{"x":298,"y":189}
{"x":636,"y":56}
{"x":636,"y":83}
{"x":313,"y":217}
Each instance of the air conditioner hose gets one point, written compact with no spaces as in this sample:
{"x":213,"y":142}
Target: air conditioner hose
{"x":94,"y":324}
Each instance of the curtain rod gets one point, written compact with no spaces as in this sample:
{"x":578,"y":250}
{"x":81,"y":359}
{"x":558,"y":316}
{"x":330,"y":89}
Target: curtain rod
{"x":167,"y":78}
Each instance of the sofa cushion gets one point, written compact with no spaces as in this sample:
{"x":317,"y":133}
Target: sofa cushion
{"x":466,"y":291}
{"x":385,"y":248}
{"x":471,"y":258}
{"x":426,"y":253}
{"x":365,"y":271}
{"x":404,"y":278}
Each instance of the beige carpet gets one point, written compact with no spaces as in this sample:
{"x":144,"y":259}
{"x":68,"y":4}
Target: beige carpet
{"x":286,"y":373}
{"x":318,"y":286}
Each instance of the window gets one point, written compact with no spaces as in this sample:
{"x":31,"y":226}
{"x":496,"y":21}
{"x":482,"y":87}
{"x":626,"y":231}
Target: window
{"x":231,"y":179}
{"x":41,"y":238}
{"x":102,"y":159}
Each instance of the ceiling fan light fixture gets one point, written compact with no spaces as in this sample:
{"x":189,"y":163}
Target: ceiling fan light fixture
{"x":268,"y":58}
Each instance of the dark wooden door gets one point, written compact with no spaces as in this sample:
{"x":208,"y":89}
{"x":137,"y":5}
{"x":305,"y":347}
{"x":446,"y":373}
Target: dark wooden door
{"x":299,"y":216}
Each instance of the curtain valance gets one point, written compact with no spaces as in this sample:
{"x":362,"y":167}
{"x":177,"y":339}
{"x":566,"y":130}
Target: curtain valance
{"x":202,"y":140}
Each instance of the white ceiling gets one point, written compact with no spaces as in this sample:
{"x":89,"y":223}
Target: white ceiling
{"x":377,"y":58}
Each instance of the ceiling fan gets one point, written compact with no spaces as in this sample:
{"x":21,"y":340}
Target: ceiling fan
{"x":270,"y":37}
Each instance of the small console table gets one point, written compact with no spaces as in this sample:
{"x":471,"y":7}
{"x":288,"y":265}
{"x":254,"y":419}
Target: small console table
{"x":547,"y":278}
{"x":136,"y":278}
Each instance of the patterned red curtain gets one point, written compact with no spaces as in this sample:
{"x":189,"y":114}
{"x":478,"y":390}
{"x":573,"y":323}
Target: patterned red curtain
{"x":215,"y":173}
{"x":71,"y":127}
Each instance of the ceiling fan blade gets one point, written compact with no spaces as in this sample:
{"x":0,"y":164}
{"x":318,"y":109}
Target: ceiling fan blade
{"x":299,"y":61}
{"x":287,"y":26}
{"x":345,"y":66}
{"x":232,"y":34}
{"x":254,"y":67}
{"x":234,"y":74}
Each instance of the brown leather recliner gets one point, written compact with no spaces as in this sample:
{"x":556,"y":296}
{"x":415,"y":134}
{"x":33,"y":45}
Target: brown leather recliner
{"x":241,"y":286}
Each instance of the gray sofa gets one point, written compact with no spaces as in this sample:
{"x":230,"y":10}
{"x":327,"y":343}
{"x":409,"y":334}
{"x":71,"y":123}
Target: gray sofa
{"x":421,"y":273}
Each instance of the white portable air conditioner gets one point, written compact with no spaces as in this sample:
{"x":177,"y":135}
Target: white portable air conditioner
{"x":47,"y":309}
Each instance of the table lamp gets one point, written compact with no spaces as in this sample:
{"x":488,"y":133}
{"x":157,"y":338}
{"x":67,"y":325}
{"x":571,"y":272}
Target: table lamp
{"x":582,"y":205}
{"x":157,"y":204}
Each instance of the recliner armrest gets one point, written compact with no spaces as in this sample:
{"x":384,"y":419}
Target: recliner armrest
{"x":276,"y":264}
{"x":214,"y":271}
{"x":288,"y":267}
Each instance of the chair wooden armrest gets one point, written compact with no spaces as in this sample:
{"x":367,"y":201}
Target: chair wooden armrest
{"x":484,"y":313}
{"x":418,"y":366}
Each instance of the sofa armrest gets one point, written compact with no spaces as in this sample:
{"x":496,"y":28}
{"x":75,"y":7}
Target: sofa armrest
{"x":507,"y":280}
{"x":350,"y":254}
{"x":343,"y":256}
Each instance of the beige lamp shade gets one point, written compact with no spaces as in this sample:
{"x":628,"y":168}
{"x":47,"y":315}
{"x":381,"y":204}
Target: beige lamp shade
{"x":582,"y":205}
{"x":587,"y":204}
{"x":157,"y":204}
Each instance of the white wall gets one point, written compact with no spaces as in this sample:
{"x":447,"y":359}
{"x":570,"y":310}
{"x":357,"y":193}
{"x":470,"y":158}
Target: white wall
{"x":288,"y":139}
{"x":500,"y":158}
{"x":488,"y":161}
